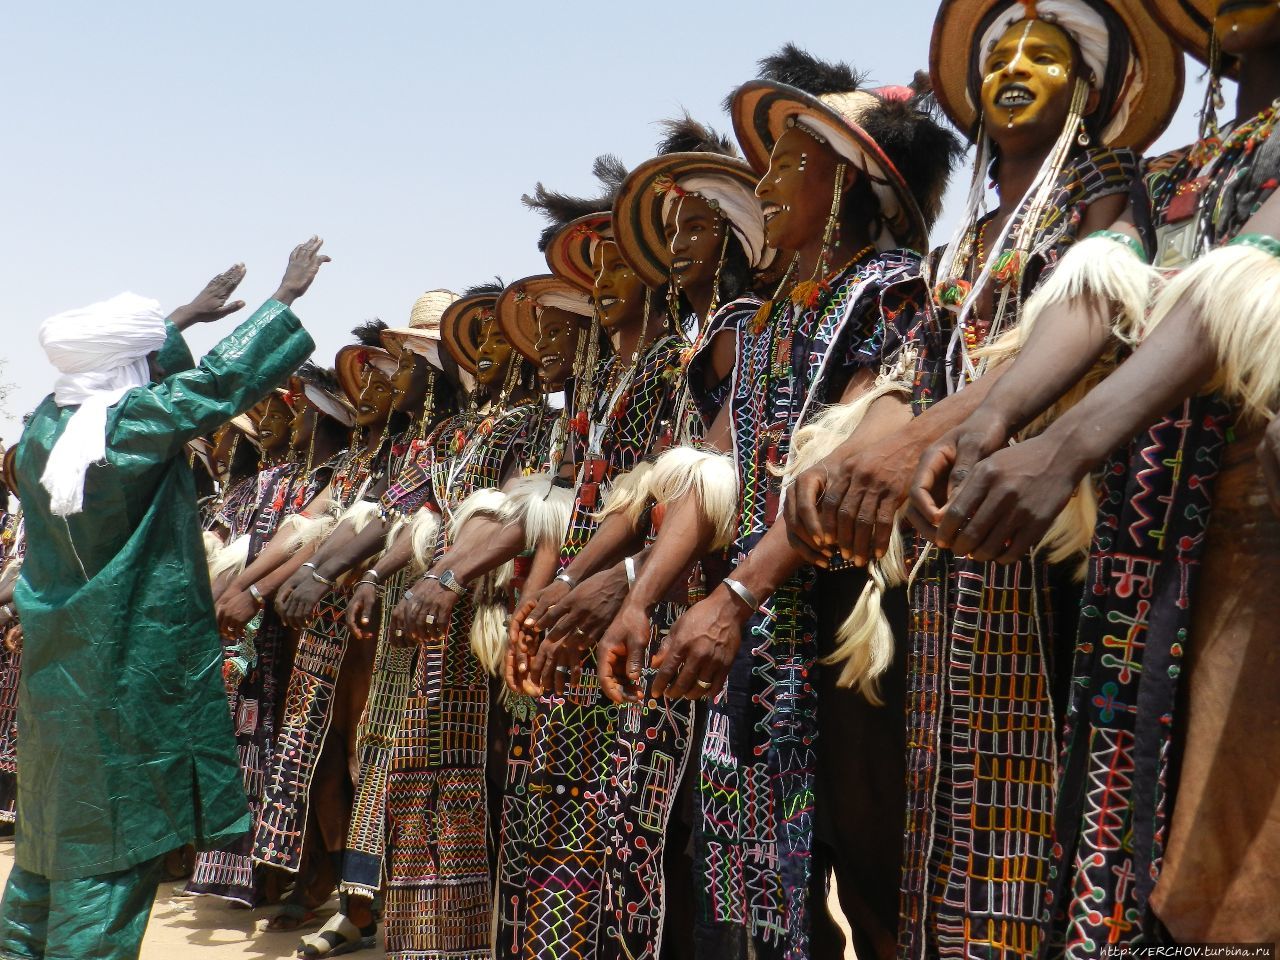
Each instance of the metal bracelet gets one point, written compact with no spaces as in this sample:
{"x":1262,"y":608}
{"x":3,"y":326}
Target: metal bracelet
{"x":316,"y":575}
{"x":564,"y":577}
{"x":629,"y":564}
{"x":257,"y":595}
{"x":742,"y":593}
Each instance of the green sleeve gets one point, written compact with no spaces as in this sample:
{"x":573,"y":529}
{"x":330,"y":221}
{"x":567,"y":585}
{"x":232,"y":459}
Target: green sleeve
{"x":238,"y":372}
{"x":175,"y":355}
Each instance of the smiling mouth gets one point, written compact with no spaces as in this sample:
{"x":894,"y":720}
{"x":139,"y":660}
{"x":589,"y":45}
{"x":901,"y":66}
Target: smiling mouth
{"x":483,"y":365}
{"x":550,"y":359}
{"x":607,"y":302}
{"x":681,"y":265}
{"x":771,"y":210}
{"x":1015,"y":95}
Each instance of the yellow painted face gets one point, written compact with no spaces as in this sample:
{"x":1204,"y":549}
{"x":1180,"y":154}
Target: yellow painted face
{"x":557,"y":345}
{"x":273,"y":424}
{"x":376,"y":397}
{"x":494,"y":356}
{"x":694,"y":233}
{"x":1027,"y":81}
{"x":1244,"y":26}
{"x":619,"y":291}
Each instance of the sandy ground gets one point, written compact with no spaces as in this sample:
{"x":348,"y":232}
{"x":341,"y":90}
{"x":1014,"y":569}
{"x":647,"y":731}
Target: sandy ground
{"x":207,"y":928}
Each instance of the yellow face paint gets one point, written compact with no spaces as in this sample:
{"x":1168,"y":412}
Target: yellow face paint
{"x":1028,"y":78}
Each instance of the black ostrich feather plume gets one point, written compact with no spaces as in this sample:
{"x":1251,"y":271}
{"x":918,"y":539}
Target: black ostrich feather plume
{"x":800,"y":69}
{"x":559,"y":209}
{"x":686,"y":135}
{"x":923,"y":148}
{"x":322,"y":378}
{"x":488,"y":288}
{"x":369,"y":333}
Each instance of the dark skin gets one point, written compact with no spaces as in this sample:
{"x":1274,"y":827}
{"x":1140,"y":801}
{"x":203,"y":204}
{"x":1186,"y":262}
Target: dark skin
{"x":621,"y":297}
{"x":557,"y":346}
{"x":273,"y":424}
{"x":954,"y":479}
{"x":695,"y":235}
{"x":847,"y":504}
{"x":797,"y":192}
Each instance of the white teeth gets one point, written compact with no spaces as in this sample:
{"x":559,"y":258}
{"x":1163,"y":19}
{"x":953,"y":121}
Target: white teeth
{"x":1015,"y":97}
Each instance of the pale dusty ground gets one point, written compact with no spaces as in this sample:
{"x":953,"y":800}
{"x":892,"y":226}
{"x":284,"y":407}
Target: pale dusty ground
{"x":207,"y":929}
{"x":203,"y":928}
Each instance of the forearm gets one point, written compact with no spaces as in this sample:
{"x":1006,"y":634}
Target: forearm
{"x":340,"y":554}
{"x":952,"y":410}
{"x":770,"y":564}
{"x":1172,"y":364}
{"x":398,"y":556}
{"x":542,"y":569}
{"x":612,"y":541}
{"x":1060,"y":349}
{"x":277,"y":578}
{"x":482,"y":545}
{"x":686,"y":535}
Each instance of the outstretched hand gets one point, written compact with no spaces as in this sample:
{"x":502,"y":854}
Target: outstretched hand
{"x":210,"y":304}
{"x":304,"y":264}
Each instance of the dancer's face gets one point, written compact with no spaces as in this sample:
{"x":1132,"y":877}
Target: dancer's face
{"x":695,"y":236}
{"x":1027,"y":82}
{"x":1244,"y":26}
{"x":376,"y":396}
{"x":557,"y":346}
{"x":273,"y":425}
{"x":410,"y":381}
{"x":797,"y":189}
{"x":619,"y":292}
{"x":223,"y":442}
{"x":494,"y":356}
{"x":303,"y":425}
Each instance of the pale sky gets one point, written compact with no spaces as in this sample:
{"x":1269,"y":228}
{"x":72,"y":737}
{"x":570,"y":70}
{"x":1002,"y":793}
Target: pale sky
{"x":150,"y":144}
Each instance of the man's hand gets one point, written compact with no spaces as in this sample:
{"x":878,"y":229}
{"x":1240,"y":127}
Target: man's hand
{"x":234,"y":609}
{"x":620,"y":655}
{"x":298,"y":605}
{"x":947,"y":464}
{"x":304,"y":264}
{"x":847,"y":502}
{"x":210,"y":303}
{"x":427,"y":609}
{"x":361,"y":610}
{"x":575,"y":624}
{"x":696,"y":656}
{"x":13,"y":638}
{"x":1269,"y":458}
{"x":1008,"y":501}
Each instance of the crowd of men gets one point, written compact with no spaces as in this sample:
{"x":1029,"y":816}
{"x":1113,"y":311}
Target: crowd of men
{"x":623,"y":610}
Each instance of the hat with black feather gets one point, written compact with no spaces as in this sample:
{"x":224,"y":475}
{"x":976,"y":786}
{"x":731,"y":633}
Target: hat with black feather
{"x":463,"y":323}
{"x":692,"y":160}
{"x":1136,"y":67}
{"x":355,"y":361}
{"x":889,"y":134}
{"x":577,"y":226}
{"x":320,"y":388}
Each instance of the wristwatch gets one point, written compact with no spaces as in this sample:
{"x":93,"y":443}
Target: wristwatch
{"x":450,"y":582}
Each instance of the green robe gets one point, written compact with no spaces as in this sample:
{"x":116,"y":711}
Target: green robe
{"x":127,"y":748}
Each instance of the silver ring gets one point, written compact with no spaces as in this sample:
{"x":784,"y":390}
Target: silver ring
{"x":408,"y":594}
{"x":579,"y":631}
{"x":429,"y":619}
{"x":562,"y":669}
{"x":399,"y":633}
{"x":703,"y":684}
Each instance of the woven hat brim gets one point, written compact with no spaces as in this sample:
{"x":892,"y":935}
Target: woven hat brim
{"x":348,"y":365}
{"x":460,"y":329}
{"x":1191,"y":24}
{"x":637,"y":212}
{"x":569,"y":252}
{"x":959,"y":22}
{"x":760,"y":113}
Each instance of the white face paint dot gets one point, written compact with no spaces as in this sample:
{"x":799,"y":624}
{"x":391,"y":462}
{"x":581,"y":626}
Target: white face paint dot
{"x":1055,"y":71}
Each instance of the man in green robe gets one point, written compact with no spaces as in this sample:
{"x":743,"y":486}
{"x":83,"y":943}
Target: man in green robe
{"x":127,"y":749}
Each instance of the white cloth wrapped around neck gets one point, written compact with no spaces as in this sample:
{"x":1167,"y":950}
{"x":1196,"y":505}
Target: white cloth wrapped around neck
{"x":100,"y":352}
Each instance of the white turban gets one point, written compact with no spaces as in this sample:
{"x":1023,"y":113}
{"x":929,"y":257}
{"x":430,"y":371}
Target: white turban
{"x":737,"y":203}
{"x":1089,"y":30}
{"x":101,"y":353}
